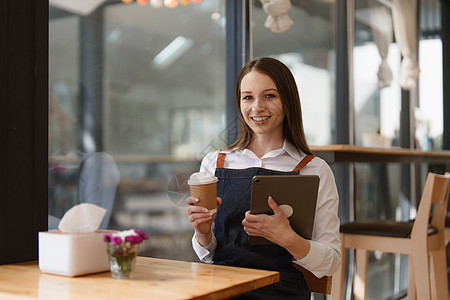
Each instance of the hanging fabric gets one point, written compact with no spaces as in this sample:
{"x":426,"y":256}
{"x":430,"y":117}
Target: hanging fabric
{"x":277,"y":19}
{"x":381,"y":28}
{"x":404,"y":17}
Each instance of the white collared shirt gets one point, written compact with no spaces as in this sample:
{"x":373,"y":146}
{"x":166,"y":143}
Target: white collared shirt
{"x":324,"y":255}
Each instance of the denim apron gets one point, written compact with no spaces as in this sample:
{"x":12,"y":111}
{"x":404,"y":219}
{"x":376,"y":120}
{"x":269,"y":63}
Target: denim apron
{"x":233,"y":249}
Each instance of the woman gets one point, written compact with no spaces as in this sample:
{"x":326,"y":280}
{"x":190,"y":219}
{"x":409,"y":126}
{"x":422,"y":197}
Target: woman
{"x":271,"y":142}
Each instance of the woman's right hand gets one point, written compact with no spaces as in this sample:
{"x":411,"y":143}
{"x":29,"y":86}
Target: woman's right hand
{"x":200,"y":219}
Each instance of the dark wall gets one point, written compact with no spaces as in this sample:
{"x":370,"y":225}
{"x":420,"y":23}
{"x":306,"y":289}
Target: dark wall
{"x":23,"y":127}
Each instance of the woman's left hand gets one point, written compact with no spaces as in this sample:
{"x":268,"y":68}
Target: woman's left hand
{"x":275,"y":228}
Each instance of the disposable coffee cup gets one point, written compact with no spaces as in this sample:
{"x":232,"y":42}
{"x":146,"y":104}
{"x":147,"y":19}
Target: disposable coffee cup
{"x":204,"y":187}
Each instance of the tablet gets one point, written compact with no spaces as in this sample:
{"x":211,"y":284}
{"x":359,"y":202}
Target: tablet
{"x":295,"y":194}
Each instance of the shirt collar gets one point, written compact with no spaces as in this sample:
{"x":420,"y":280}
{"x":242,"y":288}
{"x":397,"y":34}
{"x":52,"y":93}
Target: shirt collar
{"x":292,"y":150}
{"x":287,"y":148}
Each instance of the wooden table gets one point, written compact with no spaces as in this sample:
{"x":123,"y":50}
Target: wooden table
{"x":153,"y":279}
{"x":351,"y":153}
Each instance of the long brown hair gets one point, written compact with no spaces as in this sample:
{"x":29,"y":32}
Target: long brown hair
{"x":290,"y":99}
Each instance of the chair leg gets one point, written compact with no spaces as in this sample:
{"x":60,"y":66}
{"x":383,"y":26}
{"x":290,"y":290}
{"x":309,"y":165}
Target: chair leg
{"x":411,"y":285}
{"x":337,"y":284}
{"x":421,"y":272}
{"x":362,"y":261}
{"x":438,"y":274}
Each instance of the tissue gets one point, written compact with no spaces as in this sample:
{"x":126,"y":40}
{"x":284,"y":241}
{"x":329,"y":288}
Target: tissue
{"x":82,"y":218}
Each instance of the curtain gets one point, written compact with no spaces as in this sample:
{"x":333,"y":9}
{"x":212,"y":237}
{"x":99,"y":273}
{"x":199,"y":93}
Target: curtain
{"x":381,"y":27}
{"x":277,"y":19}
{"x":404,"y":17}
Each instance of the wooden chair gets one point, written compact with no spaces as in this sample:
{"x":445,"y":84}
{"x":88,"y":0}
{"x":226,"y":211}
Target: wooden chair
{"x":447,"y":222}
{"x":419,"y":239}
{"x":316,"y":285}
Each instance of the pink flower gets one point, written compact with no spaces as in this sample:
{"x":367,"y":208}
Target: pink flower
{"x":133,"y":236}
{"x":116,"y":240}
{"x":141,"y":234}
{"x":133,"y":239}
{"x":107,"y":237}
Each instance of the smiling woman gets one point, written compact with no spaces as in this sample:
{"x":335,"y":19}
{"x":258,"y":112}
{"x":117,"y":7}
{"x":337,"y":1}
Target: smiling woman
{"x":271,"y":142}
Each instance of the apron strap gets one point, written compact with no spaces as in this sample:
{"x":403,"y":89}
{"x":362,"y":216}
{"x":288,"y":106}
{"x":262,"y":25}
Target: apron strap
{"x":220,"y":159}
{"x":303,"y":162}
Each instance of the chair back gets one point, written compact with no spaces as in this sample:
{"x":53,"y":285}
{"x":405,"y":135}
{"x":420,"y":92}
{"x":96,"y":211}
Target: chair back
{"x":316,"y":285}
{"x":436,"y":191}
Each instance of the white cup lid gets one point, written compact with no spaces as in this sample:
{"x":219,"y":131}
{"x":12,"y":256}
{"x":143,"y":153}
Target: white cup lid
{"x":202,"y":178}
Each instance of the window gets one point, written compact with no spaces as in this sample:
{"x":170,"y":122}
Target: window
{"x":137,"y":97}
{"x":383,"y":191}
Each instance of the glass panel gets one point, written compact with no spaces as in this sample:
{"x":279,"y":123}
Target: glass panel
{"x":377,"y":102}
{"x":63,"y":115}
{"x":308,"y":49}
{"x":429,"y":114}
{"x":137,"y":97}
{"x":377,"y":105}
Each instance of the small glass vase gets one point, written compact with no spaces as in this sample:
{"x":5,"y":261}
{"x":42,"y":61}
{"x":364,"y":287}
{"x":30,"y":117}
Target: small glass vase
{"x":122,"y":260}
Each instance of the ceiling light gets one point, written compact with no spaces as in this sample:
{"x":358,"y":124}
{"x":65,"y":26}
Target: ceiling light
{"x":171,"y":3}
{"x":172,"y":52}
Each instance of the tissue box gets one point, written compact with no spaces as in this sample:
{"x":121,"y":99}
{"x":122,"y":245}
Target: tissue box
{"x":73,"y":254}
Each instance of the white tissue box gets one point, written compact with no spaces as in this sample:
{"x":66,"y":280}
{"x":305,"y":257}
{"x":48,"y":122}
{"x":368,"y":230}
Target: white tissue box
{"x":73,"y":254}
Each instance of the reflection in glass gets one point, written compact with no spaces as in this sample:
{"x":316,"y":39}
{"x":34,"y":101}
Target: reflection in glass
{"x":143,"y":88}
{"x":376,"y":62}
